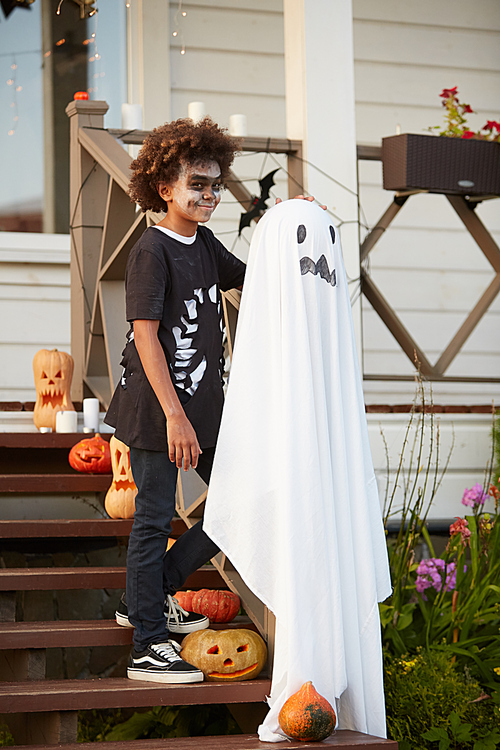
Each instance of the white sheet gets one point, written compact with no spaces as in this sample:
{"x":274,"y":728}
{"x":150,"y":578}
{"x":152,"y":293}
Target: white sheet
{"x":293,"y":499}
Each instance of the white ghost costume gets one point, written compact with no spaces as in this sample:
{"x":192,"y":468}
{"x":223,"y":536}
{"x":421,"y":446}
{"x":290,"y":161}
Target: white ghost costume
{"x":293,"y":499}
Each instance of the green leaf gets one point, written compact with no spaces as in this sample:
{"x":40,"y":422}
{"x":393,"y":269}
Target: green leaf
{"x":436,"y":733}
{"x":405,"y":616}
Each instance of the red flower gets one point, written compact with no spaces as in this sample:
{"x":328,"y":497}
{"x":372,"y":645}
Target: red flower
{"x":468,"y":134}
{"x":446,"y":93}
{"x":467,"y":109}
{"x":461,"y":526}
{"x":492,"y":125}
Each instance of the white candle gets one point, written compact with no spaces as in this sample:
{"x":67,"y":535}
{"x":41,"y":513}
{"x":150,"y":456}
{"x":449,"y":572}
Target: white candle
{"x":238,"y":125}
{"x":132,"y":117}
{"x":91,"y":415}
{"x":398,"y":129}
{"x":66,"y":421}
{"x":196,"y":111}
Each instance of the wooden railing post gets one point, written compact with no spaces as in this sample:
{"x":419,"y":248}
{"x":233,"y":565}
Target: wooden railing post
{"x":88,"y":190}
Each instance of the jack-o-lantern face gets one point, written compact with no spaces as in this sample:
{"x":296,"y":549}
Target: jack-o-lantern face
{"x":120,"y":498}
{"x":225,"y":655}
{"x":53,"y":371}
{"x":91,"y":456}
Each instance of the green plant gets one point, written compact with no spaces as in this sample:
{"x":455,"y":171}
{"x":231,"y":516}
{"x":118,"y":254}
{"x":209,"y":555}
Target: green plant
{"x":176,"y":721}
{"x":6,"y":738}
{"x":94,"y":725}
{"x":458,"y":734}
{"x":416,"y":482}
{"x":430,"y":699}
{"x":456,"y":123}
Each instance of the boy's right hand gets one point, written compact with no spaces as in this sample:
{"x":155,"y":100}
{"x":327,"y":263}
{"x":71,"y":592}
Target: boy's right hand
{"x":183,"y":446}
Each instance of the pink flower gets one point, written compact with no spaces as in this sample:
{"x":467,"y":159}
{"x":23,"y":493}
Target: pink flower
{"x":475,"y":496}
{"x":431,"y":572}
{"x":468,"y":134}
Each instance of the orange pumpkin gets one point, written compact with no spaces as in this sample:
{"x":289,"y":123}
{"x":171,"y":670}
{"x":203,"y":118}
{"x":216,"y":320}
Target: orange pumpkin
{"x":185,"y":599}
{"x":91,"y":456}
{"x":53,"y":371}
{"x":80,"y":95}
{"x":218,"y":606}
{"x":225,"y":655}
{"x":307,"y":716}
{"x":120,"y":498}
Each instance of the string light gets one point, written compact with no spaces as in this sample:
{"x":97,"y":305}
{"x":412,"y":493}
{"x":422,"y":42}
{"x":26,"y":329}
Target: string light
{"x":177,"y":32}
{"x":16,"y":88}
{"x":58,"y":11}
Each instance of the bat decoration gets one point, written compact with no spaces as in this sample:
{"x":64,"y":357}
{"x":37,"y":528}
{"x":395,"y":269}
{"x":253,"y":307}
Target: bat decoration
{"x":309,"y":266}
{"x":259,"y":204}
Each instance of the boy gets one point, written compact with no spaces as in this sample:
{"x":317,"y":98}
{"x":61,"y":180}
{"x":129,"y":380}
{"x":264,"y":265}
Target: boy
{"x":168,"y":405}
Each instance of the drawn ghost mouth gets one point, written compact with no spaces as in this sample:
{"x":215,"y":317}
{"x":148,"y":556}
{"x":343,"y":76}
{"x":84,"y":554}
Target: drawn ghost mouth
{"x":238,"y":673}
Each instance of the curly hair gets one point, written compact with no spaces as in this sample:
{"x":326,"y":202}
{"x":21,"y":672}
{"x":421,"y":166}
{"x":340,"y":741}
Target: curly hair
{"x":168,"y":148}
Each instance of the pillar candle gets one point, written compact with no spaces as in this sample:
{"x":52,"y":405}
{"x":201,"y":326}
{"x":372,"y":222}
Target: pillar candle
{"x":238,"y":125}
{"x":196,"y":111}
{"x":91,"y":415}
{"x":66,"y":421}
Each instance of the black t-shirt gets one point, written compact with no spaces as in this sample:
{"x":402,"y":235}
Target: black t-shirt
{"x":179,"y":285}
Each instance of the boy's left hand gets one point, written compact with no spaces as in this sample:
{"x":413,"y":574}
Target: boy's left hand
{"x":309,"y":198}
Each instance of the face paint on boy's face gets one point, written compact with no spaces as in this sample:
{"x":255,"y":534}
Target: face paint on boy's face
{"x":197,"y":191}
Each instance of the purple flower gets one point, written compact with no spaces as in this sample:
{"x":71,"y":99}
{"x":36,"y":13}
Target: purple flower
{"x":431,"y":572}
{"x":475,"y":496}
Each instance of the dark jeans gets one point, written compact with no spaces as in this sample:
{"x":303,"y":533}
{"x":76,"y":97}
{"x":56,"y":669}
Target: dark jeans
{"x":151,"y":571}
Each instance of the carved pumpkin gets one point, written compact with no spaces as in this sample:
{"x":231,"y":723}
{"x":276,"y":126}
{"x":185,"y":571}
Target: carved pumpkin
{"x":218,"y":606}
{"x":53,"y":371}
{"x":225,"y":655}
{"x":307,"y":716}
{"x":91,"y":456}
{"x":120,"y":498}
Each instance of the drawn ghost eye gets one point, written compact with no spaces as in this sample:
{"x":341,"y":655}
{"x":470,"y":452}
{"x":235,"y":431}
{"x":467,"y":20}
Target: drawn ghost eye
{"x":332,"y":232}
{"x":301,"y":233}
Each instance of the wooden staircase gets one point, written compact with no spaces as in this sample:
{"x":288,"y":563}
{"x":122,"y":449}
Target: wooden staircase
{"x":40,"y":711}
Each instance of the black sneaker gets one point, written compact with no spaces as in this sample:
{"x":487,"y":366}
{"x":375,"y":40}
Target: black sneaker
{"x":178,"y":620}
{"x":160,"y":662}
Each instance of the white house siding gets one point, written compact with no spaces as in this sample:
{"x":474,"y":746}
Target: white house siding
{"x":427,"y":265}
{"x":234,"y":63}
{"x":34,"y":306}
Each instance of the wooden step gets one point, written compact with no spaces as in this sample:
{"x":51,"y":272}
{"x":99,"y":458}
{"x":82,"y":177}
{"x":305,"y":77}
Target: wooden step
{"x":42,"y":484}
{"x":342,"y":739}
{"x":74,"y":633}
{"x":117,"y":692}
{"x":67,"y":528}
{"x":63,"y":634}
{"x":56,"y":579}
{"x":45,"y":440}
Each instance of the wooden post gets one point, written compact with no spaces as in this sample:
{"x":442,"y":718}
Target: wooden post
{"x":44,"y":728}
{"x":319,"y":71}
{"x":88,"y":193}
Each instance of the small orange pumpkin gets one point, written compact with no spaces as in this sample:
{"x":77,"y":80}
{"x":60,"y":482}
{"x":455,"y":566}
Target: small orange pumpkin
{"x":225,"y":655}
{"x":218,"y":606}
{"x":91,"y":456}
{"x":120,"y":498}
{"x":53,"y":372}
{"x":80,"y":96}
{"x":307,"y":716}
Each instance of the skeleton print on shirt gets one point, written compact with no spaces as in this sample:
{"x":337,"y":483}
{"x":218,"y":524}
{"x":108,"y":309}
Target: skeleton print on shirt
{"x":187,"y":370}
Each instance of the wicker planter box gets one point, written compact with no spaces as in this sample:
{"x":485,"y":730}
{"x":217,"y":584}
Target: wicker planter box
{"x":441,"y":165}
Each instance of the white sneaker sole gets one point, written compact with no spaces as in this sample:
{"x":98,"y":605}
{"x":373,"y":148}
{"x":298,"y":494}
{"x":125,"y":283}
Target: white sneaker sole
{"x":165,"y":677}
{"x":188,"y":628}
